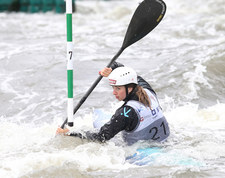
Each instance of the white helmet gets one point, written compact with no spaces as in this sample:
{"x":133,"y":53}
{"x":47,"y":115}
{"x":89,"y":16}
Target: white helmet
{"x":122,"y":76}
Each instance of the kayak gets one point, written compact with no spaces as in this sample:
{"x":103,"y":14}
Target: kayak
{"x":144,"y":156}
{"x":153,"y":155}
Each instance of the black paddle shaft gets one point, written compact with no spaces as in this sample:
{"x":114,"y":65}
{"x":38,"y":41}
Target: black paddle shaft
{"x":146,"y":17}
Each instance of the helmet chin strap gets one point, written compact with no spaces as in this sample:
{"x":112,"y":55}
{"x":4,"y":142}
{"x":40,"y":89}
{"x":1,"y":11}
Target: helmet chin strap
{"x":128,"y":94}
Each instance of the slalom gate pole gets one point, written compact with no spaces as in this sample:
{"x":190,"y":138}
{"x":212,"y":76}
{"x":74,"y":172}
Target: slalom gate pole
{"x":69,"y":62}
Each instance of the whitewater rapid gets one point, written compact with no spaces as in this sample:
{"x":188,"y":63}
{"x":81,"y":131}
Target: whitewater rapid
{"x":183,"y":59}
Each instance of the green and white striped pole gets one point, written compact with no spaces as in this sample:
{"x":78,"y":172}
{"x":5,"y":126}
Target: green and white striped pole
{"x":69,"y":62}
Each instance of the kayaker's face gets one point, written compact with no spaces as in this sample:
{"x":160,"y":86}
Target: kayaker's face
{"x":120,"y":92}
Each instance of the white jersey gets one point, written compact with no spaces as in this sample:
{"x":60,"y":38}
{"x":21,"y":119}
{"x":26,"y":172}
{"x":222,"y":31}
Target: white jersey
{"x":152,"y":123}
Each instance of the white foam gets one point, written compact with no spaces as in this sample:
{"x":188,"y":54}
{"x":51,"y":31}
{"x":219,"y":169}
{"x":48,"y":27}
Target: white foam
{"x":189,"y":115}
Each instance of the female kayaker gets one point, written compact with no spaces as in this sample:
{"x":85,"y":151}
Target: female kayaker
{"x":139,"y":118}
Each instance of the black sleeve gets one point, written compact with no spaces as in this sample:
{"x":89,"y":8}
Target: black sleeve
{"x":125,"y":118}
{"x":145,"y":84}
{"x":115,"y":65}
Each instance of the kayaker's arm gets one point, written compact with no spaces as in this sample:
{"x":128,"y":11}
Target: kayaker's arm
{"x":118,"y":123}
{"x":144,"y":84}
{"x":115,"y":65}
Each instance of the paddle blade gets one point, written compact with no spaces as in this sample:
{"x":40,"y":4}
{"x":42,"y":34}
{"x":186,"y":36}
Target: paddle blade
{"x":146,"y":17}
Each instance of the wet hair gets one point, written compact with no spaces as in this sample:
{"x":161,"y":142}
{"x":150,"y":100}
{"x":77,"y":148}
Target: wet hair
{"x":141,"y":94}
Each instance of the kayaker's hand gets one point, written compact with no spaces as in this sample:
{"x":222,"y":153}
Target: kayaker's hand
{"x":61,"y":131}
{"x":105,"y":72}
